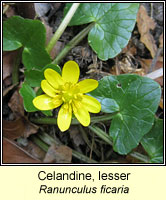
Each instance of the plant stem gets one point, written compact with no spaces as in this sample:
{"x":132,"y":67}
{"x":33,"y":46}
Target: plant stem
{"x":80,"y":156}
{"x":47,"y":120}
{"x":48,"y":140}
{"x":87,"y":141}
{"x":40,"y":143}
{"x":62,"y":27}
{"x":99,"y":132}
{"x":72,"y":43}
{"x":15,"y":73}
{"x":108,"y":140}
{"x":139,"y":156}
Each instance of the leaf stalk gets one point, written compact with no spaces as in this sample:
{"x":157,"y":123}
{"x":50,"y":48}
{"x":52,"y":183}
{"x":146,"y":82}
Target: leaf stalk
{"x":62,"y":27}
{"x":80,"y":36}
{"x":47,"y":120}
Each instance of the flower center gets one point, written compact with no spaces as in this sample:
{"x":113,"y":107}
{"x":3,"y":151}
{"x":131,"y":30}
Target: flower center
{"x":69,"y":92}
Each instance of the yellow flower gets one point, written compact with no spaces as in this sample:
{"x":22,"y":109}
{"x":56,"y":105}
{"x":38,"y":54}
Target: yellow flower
{"x":65,"y":90}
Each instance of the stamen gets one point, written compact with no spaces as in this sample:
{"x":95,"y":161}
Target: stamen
{"x":70,"y":101}
{"x":70,"y":91}
{"x":57,"y":91}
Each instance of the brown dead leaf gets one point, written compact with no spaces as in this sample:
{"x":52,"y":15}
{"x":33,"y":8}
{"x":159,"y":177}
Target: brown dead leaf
{"x":16,"y":104}
{"x":58,"y":154}
{"x":13,"y":129}
{"x":10,"y":11}
{"x":146,"y":63}
{"x":30,"y":128}
{"x":161,"y":103}
{"x":8,"y":62}
{"x":59,"y":45}
{"x":14,"y":154}
{"x":161,"y":41}
{"x":130,"y":49}
{"x":17,"y":128}
{"x":76,"y":136}
{"x":145,"y":23}
{"x":34,"y":150}
{"x":21,"y":126}
{"x":8,"y":89}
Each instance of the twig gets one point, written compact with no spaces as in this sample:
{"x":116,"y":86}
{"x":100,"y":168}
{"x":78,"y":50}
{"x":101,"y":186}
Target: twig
{"x":156,"y":74}
{"x":154,"y":61}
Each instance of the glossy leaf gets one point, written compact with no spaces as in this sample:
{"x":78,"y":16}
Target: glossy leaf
{"x":47,"y":113}
{"x":34,"y":77}
{"x":28,"y":95}
{"x":138,"y":98}
{"x":30,"y":34}
{"x":153,"y":142}
{"x":113,"y":24}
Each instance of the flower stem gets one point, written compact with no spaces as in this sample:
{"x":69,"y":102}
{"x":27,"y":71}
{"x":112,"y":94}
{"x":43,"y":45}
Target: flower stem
{"x":99,"y":132}
{"x":44,"y":141}
{"x":82,"y":157}
{"x":103,"y":135}
{"x":87,"y":141}
{"x":140,"y":156}
{"x":47,"y":120}
{"x":40,"y":143}
{"x":62,"y":27}
{"x":72,"y":43}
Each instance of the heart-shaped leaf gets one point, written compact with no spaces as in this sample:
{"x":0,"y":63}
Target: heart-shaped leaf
{"x":153,"y":142}
{"x":137,"y":99}
{"x":28,"y":95}
{"x":30,"y":34}
{"x":34,"y":77}
{"x":113,"y":24}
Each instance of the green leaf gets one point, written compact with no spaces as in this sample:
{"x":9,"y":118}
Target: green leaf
{"x":108,"y":105}
{"x":114,"y":23}
{"x":153,"y":142}
{"x":47,"y":113}
{"x":28,"y":95}
{"x":30,"y":34}
{"x":52,"y":66}
{"x":138,"y":98}
{"x":34,"y":77}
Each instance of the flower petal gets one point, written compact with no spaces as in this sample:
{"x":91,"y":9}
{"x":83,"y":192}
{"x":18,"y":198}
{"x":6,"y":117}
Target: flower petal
{"x":87,"y":85}
{"x":53,"y":78}
{"x":81,"y":113}
{"x":64,"y":117}
{"x":45,"y":102}
{"x":48,"y":89}
{"x":70,"y":72}
{"x":91,"y":104}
